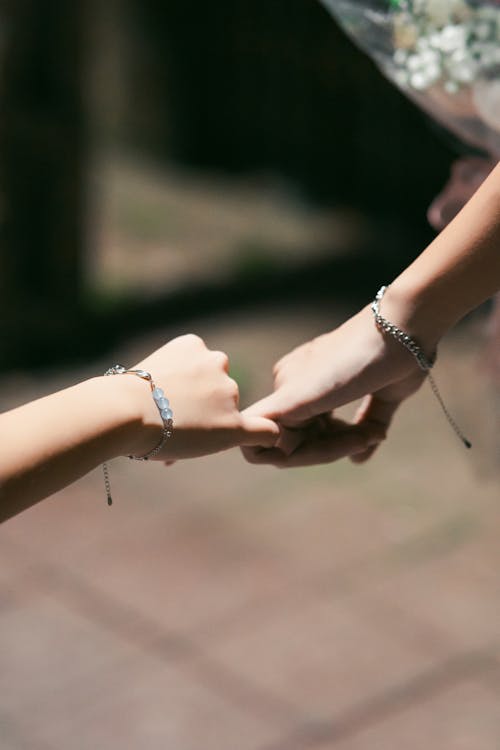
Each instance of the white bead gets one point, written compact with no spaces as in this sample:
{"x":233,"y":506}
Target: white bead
{"x":452,"y":37}
{"x":162,"y":403}
{"x":430,"y":57}
{"x":400,"y":56}
{"x":433,"y":73}
{"x":458,"y":57}
{"x":423,"y":44}
{"x":435,"y":40}
{"x":419,"y":81}
{"x":167,"y":414}
{"x":158,"y":393}
{"x":414,"y":63}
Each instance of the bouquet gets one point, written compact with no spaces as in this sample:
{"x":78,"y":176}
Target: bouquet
{"x":443,"y":54}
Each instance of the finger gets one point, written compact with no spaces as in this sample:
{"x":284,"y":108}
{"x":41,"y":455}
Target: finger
{"x":271,"y":406}
{"x":222,"y":360}
{"x":258,"y":431}
{"x":373,"y":431}
{"x":289,"y":440}
{"x":378,"y":411}
{"x":265,"y":456}
{"x":284,"y":407}
{"x":374,"y":411}
{"x":361,"y":458}
{"x":315,"y":451}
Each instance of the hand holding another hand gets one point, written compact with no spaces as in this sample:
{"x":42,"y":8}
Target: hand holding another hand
{"x":204,"y":400}
{"x":353,"y":361}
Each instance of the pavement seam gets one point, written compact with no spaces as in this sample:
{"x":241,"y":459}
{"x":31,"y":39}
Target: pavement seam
{"x":149,"y":636}
{"x":347,"y":579}
{"x":386,"y":704}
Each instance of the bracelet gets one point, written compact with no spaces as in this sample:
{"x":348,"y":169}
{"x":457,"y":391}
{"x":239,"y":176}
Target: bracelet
{"x":425,"y":363}
{"x":166,"y":415}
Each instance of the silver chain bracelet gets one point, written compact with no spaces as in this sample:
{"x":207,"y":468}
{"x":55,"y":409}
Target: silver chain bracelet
{"x":425,"y":363}
{"x":165,"y":412}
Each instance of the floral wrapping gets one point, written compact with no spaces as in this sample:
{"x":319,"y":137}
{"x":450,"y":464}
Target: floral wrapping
{"x":443,"y":54}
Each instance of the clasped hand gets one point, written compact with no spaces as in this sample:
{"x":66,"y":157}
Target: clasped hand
{"x":296,"y":424}
{"x":352,"y":362}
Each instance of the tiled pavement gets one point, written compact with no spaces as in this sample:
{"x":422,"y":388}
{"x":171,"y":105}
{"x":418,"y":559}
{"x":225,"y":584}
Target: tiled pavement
{"x":219,"y":606}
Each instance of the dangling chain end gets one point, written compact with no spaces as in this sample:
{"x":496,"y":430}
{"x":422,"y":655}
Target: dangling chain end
{"x":425,"y":363}
{"x":107,"y":484}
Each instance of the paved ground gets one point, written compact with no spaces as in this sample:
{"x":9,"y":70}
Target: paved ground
{"x":219,"y":606}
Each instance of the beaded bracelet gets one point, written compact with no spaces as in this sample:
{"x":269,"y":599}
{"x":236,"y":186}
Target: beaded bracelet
{"x":166,"y":415}
{"x":425,"y":363}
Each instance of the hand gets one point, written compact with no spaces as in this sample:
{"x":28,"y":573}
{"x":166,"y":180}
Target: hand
{"x":351,"y":362}
{"x":320,"y":440}
{"x":204,"y":400}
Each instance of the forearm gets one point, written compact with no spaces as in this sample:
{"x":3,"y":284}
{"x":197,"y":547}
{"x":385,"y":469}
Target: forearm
{"x":458,"y":271}
{"x":51,"y":442}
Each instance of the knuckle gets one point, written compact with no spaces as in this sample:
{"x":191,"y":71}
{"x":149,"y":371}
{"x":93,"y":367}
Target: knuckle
{"x":279,"y":379}
{"x":193,"y":339}
{"x":232,"y":388}
{"x":221,"y":359}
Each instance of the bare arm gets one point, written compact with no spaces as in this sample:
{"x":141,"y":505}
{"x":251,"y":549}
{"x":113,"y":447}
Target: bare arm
{"x":51,"y":442}
{"x":457,"y":271}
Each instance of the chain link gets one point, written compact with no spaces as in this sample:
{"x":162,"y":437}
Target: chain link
{"x":423,"y":361}
{"x":167,"y":429}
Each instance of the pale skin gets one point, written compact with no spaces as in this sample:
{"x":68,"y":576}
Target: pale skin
{"x":57,"y":439}
{"x":458,"y":271}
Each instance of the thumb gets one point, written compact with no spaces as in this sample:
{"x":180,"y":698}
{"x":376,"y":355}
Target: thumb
{"x":258,"y":431}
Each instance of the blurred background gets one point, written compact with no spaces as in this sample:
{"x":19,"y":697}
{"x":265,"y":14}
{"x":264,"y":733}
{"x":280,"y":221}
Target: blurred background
{"x":244,"y":171}
{"x":123,"y":122}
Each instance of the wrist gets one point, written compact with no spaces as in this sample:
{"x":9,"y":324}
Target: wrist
{"x":414,"y":310}
{"x":135,"y":422}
